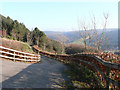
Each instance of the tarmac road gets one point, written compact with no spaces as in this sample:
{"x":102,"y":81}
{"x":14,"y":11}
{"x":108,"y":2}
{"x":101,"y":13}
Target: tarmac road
{"x":46,"y":74}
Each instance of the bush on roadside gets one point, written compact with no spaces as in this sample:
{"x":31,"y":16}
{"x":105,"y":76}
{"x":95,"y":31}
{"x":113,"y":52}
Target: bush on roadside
{"x":76,"y":48}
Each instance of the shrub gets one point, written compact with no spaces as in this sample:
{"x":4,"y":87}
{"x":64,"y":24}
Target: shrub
{"x":76,"y":48}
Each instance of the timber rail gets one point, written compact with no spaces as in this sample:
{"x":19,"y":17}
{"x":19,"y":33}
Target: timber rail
{"x":18,"y":55}
{"x":106,"y":73}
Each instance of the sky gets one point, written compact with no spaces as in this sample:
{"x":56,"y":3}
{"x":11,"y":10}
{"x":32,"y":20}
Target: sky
{"x":60,"y":15}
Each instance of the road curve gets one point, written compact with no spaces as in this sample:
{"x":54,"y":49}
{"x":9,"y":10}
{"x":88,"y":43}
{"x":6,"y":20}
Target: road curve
{"x":46,"y":74}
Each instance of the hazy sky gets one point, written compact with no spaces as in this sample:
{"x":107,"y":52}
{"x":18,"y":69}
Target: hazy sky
{"x":60,"y":15}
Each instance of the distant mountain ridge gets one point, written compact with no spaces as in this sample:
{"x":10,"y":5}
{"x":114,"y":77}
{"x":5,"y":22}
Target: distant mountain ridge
{"x":74,"y":36}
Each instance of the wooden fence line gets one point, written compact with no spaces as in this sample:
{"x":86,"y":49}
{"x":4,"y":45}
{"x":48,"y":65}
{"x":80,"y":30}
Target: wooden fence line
{"x":108,"y":64}
{"x":71,"y":59}
{"x":104,"y":76}
{"x":2,"y":47}
{"x":18,"y":55}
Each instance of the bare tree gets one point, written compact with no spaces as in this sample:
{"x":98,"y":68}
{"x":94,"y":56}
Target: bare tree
{"x":99,"y":38}
{"x":91,"y":35}
{"x":83,"y":30}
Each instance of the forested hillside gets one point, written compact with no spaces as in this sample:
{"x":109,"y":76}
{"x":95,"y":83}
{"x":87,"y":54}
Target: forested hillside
{"x":14,"y":30}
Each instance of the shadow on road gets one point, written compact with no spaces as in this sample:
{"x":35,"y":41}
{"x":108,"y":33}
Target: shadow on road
{"x":47,"y":74}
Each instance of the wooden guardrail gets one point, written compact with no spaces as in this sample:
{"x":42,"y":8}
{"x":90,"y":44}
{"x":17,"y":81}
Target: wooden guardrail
{"x":104,"y":69}
{"x":18,"y":55}
{"x":107,"y":73}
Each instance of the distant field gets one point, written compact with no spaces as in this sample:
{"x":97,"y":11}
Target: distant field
{"x":79,"y":41}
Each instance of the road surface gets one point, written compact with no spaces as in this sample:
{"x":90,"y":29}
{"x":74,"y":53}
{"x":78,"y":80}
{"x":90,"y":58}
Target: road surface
{"x":46,"y":74}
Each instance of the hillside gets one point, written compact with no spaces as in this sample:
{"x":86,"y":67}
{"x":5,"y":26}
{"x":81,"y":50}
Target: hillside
{"x":66,"y":37}
{"x":79,"y":41}
{"x":74,"y":37}
{"x":16,"y":45}
{"x":58,"y":36}
{"x":14,"y":30}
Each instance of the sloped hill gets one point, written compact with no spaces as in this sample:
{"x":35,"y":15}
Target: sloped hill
{"x":79,"y":41}
{"x":66,"y":37}
{"x":16,"y":45}
{"x":14,"y":30}
{"x":58,"y":36}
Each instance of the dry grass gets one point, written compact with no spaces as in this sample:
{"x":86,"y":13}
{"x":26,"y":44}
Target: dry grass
{"x":17,"y":45}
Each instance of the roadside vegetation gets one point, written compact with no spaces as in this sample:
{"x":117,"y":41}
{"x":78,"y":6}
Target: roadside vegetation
{"x":80,"y":77}
{"x":77,"y":48}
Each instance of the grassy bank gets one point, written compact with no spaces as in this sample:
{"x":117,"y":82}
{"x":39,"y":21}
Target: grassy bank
{"x":17,"y":45}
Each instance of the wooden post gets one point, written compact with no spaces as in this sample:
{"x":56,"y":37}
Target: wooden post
{"x":107,"y":77}
{"x":31,"y":59}
{"x":14,"y":56}
{"x":25,"y":58}
{"x":38,"y":56}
